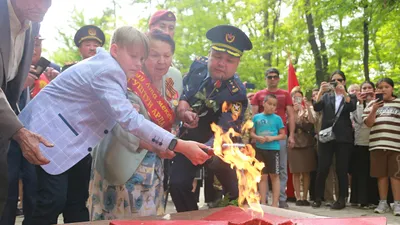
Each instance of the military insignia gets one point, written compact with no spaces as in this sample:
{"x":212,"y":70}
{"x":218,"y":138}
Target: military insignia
{"x":170,"y":15}
{"x":236,"y":110}
{"x":229,"y":38}
{"x":233,"y":87}
{"x":92,"y":32}
{"x":202,"y":60}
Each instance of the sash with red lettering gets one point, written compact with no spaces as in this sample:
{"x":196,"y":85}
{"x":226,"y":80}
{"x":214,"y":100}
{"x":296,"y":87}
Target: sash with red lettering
{"x":157,"y":107}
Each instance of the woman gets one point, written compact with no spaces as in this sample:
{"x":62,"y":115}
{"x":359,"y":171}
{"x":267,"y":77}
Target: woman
{"x":336,"y":105}
{"x":127,"y":174}
{"x":302,"y":157}
{"x":383,"y":116}
{"x":364,"y":190}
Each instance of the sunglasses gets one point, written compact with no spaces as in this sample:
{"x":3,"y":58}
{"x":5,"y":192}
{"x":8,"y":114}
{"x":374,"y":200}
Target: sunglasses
{"x":339,"y":80}
{"x":272,"y":77}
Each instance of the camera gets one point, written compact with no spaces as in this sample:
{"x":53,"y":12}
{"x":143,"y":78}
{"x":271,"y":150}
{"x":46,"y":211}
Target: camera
{"x":333,"y":84}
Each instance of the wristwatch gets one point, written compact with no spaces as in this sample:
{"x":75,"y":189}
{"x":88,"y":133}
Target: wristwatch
{"x":172,"y":144}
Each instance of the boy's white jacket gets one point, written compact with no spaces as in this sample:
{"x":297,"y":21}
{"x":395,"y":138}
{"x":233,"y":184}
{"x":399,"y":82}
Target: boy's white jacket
{"x":78,"y":108}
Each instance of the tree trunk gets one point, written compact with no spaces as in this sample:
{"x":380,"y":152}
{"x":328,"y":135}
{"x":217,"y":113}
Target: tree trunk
{"x":324,"y":52}
{"x":366,"y":40}
{"x":267,"y":36}
{"x":275,"y":22}
{"x":339,"y":52}
{"x":319,"y":73}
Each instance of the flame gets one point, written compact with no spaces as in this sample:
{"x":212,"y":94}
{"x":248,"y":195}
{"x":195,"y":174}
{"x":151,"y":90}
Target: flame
{"x":248,"y":168}
{"x":234,"y":108}
{"x":226,"y":106}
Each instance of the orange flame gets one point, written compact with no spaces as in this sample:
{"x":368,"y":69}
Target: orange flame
{"x":235,"y":109}
{"x":248,"y":168}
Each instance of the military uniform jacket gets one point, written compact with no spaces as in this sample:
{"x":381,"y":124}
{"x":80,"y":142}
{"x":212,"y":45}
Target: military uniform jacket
{"x":206,"y":98}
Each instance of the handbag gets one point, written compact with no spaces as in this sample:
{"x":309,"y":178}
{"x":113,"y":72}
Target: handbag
{"x":327,"y":135}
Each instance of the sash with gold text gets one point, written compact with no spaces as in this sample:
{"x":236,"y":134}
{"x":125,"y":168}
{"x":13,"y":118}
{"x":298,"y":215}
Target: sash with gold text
{"x":157,"y":107}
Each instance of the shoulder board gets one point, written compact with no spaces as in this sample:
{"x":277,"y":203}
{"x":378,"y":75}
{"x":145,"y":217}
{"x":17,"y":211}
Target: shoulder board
{"x":199,"y":62}
{"x":201,"y":59}
{"x":234,"y":86}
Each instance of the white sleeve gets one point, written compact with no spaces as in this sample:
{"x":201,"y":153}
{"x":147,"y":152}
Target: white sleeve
{"x":111,"y":91}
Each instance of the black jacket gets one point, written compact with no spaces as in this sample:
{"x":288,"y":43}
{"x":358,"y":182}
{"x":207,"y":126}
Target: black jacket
{"x":343,"y":129}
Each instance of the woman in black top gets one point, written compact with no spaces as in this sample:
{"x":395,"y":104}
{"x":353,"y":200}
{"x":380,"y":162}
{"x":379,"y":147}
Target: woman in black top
{"x":330,"y":103}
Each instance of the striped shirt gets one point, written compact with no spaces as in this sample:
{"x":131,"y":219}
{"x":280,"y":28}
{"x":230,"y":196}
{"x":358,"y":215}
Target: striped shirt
{"x":385,"y":133}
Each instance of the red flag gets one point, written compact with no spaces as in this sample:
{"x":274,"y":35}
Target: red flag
{"x":292,"y":82}
{"x":292,"y":79}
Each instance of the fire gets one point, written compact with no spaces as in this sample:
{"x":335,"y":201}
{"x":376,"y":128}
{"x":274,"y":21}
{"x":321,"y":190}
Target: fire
{"x":248,"y":168}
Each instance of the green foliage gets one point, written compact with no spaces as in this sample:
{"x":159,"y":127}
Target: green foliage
{"x":278,"y":31}
{"x":68,"y":52}
{"x":227,"y":202}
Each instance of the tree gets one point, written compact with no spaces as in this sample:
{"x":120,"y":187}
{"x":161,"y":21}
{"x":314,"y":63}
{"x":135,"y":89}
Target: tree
{"x":68,"y":52}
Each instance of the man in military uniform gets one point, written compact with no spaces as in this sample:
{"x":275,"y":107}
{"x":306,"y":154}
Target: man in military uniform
{"x":209,"y":83}
{"x":87,"y":39}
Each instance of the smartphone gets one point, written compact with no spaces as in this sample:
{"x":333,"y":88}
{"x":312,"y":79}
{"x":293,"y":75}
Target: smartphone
{"x":250,"y":86}
{"x":298,"y":100}
{"x":379,"y":96}
{"x":41,"y":66}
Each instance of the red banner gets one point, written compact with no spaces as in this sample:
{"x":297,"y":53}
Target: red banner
{"x":292,"y":78}
{"x":157,"y":107}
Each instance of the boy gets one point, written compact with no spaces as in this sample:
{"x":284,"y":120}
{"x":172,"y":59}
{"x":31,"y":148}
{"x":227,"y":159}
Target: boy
{"x":267,"y":131}
{"x":75,"y":111}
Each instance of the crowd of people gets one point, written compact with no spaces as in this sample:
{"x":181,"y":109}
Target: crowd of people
{"x":362,"y":149}
{"x":111,"y":136}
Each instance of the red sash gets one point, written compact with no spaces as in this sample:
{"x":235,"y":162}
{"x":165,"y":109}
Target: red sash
{"x":157,"y":107}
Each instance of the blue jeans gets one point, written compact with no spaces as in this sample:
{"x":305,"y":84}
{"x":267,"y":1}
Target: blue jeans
{"x":19,"y":167}
{"x":283,"y":176}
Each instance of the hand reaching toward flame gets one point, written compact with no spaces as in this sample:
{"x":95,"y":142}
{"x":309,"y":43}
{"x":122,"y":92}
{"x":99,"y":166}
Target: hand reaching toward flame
{"x":193,"y":151}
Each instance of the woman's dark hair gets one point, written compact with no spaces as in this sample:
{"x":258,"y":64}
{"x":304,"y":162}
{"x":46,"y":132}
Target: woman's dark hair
{"x":161,"y":36}
{"x":373,"y":87}
{"x":368,"y":82}
{"x":339,"y":72}
{"x":388,"y":81}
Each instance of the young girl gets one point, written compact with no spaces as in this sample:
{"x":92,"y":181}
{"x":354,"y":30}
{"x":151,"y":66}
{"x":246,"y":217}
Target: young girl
{"x":364,"y":190}
{"x":383,"y":116}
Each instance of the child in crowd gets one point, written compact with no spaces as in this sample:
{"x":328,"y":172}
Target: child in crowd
{"x":267,"y":131}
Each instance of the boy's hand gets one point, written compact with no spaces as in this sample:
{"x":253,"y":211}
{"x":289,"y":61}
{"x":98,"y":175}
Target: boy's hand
{"x":268,"y":138}
{"x":261,"y":139}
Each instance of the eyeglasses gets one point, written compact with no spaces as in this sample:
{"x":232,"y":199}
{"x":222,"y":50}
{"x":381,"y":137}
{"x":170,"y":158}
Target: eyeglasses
{"x":339,"y":80}
{"x":272,"y":77}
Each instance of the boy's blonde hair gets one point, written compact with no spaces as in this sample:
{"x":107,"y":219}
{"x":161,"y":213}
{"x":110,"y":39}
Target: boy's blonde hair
{"x":126,"y":36}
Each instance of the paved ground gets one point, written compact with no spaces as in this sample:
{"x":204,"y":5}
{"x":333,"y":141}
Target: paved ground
{"x":323,"y":211}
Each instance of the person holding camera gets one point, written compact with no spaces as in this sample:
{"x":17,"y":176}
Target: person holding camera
{"x":302,"y":157}
{"x":336,"y":135}
{"x":382,"y":115}
{"x":364,"y":189}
